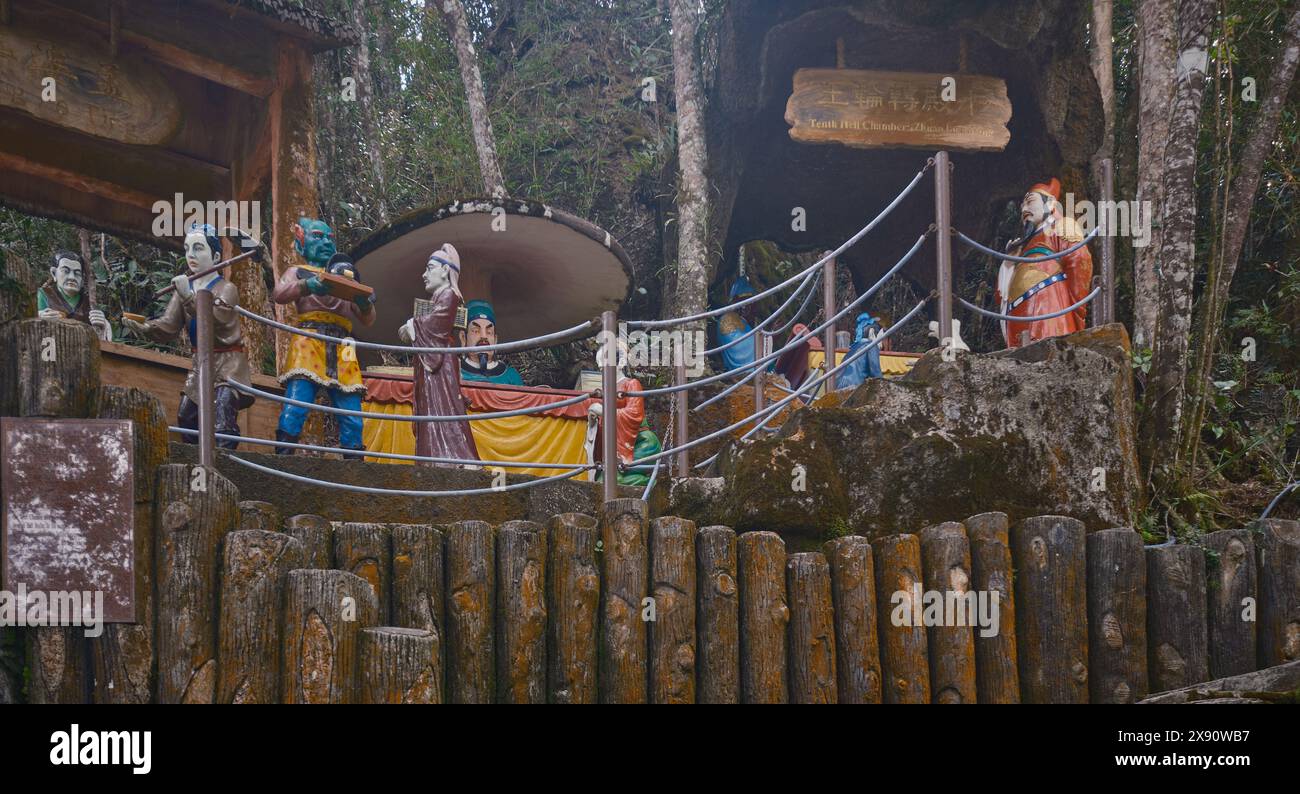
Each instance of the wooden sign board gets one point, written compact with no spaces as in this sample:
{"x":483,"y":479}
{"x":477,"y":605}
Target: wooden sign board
{"x":910,"y":110}
{"x":68,"y":501}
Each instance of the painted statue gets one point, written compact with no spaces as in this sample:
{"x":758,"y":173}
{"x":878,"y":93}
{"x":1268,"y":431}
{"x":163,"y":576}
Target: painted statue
{"x":635,"y":438}
{"x":312,"y":364}
{"x":1026,"y":289}
{"x":437,"y":375}
{"x":202,"y":251}
{"x":736,"y":323}
{"x":62,"y":298}
{"x":482,"y":330}
{"x":868,"y":365}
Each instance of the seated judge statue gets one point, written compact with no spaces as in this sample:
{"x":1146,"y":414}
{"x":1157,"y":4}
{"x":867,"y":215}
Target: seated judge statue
{"x":61,"y":297}
{"x":482,"y":330}
{"x":635,"y":439}
{"x":737,"y":322}
{"x":202,"y":251}
{"x":313,"y":364}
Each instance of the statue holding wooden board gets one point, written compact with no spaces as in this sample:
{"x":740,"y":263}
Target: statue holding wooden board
{"x":202,"y":251}
{"x":62,"y":296}
{"x":329,"y":299}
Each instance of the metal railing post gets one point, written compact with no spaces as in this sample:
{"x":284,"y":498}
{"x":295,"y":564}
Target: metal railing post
{"x":1106,"y":312}
{"x":828,"y":300}
{"x":203,"y":371}
{"x":943,"y":245}
{"x":759,"y":347}
{"x":681,"y":433}
{"x":609,"y":404}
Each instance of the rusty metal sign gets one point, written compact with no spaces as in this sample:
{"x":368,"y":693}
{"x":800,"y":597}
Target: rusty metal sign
{"x":68,"y":513}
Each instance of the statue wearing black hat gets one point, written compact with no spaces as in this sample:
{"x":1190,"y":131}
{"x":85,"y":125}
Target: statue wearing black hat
{"x":482,"y":330}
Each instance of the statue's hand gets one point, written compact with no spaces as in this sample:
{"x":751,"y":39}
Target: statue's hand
{"x":595,"y":408}
{"x":364,"y":302}
{"x":407,"y":332}
{"x":100,"y":323}
{"x":135,"y":325}
{"x":317,"y":286}
{"x":183,"y":288}
{"x":50,"y":314}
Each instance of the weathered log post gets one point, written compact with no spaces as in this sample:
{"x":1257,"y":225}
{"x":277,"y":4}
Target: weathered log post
{"x":573,"y":598}
{"x":259,"y":515}
{"x":764,"y":614}
{"x":811,"y":636}
{"x":672,"y":631}
{"x":324,"y":614}
{"x":251,"y":633}
{"x":1277,"y":549}
{"x":904,"y":655}
{"x":470,"y":645}
{"x":718,"y":616}
{"x":853,"y":594}
{"x":418,"y":592}
{"x":364,"y":550}
{"x":316,"y":535}
{"x":1117,"y":617}
{"x":1177,"y":642}
{"x":624,"y":525}
{"x":1051,"y":609}
{"x":197,"y":507}
{"x":996,"y":678}
{"x":399,"y":665}
{"x":123,"y":657}
{"x":946,"y":566}
{"x":521,"y":612}
{"x":51,"y":370}
{"x":1230,"y":589}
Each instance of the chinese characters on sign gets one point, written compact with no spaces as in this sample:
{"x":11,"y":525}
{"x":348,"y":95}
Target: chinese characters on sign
{"x":871,"y":109}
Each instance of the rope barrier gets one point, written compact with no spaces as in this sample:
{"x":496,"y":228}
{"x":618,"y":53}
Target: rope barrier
{"x":770,"y":290}
{"x":811,"y":277}
{"x":1031,"y":318}
{"x":265,"y":442}
{"x":1278,"y":498}
{"x":341,"y":486}
{"x":770,"y":412}
{"x":794,"y":342}
{"x":798,"y":312}
{"x":1030,"y":259}
{"x":580,"y":331}
{"x":775,"y":407}
{"x":330,"y":409}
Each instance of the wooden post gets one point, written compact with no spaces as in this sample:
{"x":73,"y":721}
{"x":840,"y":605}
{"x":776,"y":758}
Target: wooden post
{"x":681,"y":428}
{"x":57,"y":659}
{"x":996,"y":678}
{"x":1051,"y":609}
{"x":623,"y":528}
{"x":203,"y":372}
{"x":672,"y":632}
{"x":1232,"y":639}
{"x":943,"y":245}
{"x":609,"y":405}
{"x":811,"y":637}
{"x":470,"y":646}
{"x":363,"y":549}
{"x":828,"y":336}
{"x":1177,"y":643}
{"x":317,"y":538}
{"x":399,"y":665}
{"x":417,"y":589}
{"x":123,"y":657}
{"x":259,"y":515}
{"x":573,"y":598}
{"x":521,"y":610}
{"x":324,"y":614}
{"x":945,"y":566}
{"x":1106,"y":311}
{"x":196,"y":508}
{"x":904,"y":658}
{"x":764,"y":614}
{"x":251,"y":632}
{"x":1117,"y":617}
{"x":758,"y":379}
{"x":1277,"y":550}
{"x":853,"y":594}
{"x":718,"y":616}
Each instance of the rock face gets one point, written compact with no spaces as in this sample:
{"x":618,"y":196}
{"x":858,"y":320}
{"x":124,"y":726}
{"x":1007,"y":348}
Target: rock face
{"x":1045,"y":429}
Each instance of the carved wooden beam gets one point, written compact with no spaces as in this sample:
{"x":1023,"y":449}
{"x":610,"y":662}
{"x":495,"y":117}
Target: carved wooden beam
{"x":75,"y":181}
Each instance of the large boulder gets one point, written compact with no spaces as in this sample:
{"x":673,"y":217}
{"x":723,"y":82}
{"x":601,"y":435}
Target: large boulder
{"x":1045,"y":429}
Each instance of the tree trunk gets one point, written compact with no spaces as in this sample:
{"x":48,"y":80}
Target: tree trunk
{"x":692,"y":159}
{"x":1240,"y":201}
{"x":1100,"y":58}
{"x":1156,"y":55}
{"x":365,"y":101}
{"x":87,"y":268}
{"x":453,"y":14}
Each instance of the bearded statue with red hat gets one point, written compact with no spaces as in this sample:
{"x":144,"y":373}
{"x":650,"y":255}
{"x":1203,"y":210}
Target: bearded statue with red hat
{"x":1027,"y":289}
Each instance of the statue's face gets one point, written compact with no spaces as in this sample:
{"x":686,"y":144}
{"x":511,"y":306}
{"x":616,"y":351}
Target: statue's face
{"x":198,"y":254}
{"x":314,"y":239}
{"x":67,"y":275}
{"x":1034,"y":208}
{"x":481,"y":332}
{"x":435,"y":277}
